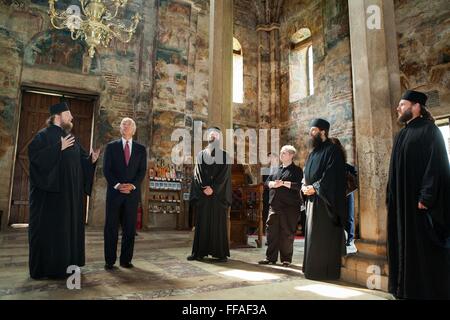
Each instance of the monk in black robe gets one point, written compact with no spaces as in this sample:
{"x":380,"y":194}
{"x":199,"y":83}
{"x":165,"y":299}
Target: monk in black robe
{"x":418,"y":206}
{"x":326,"y":214}
{"x":211,"y":196}
{"x":60,"y":173}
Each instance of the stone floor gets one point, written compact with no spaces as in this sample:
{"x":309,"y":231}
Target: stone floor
{"x":162,"y":272}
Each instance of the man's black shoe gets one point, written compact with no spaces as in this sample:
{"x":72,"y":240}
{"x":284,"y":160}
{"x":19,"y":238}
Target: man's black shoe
{"x":193,"y":257}
{"x":127,"y":265}
{"x":265,"y":261}
{"x":109,"y":266}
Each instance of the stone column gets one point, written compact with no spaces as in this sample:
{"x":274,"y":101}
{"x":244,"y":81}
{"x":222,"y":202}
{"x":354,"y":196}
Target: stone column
{"x":275,"y":71}
{"x":376,"y":89}
{"x":221,"y":69}
{"x":220,"y":64}
{"x":269,"y":40}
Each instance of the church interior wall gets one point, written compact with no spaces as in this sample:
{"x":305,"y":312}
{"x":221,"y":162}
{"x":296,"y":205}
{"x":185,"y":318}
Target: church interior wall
{"x":424,"y":51}
{"x":332,"y":98}
{"x":161,"y":77}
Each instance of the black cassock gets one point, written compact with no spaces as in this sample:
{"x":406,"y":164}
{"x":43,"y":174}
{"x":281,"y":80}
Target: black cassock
{"x":211,"y":236}
{"x":418,"y":240}
{"x":325,"y":213}
{"x":58,"y":181}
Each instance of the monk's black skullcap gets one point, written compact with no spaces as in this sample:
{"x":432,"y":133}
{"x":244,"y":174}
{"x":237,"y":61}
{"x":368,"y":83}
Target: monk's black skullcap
{"x":415,"y":97}
{"x":58,"y":108}
{"x":321,"y":124}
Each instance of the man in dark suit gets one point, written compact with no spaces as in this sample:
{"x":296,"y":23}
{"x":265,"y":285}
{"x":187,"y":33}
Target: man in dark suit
{"x":125,"y":165}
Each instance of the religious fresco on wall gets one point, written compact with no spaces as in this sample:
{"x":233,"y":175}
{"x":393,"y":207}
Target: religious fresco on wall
{"x":174,"y":25}
{"x":10,"y":68}
{"x":16,"y":3}
{"x":104,"y":130}
{"x":7,"y":111}
{"x":424,"y":51}
{"x":336,"y":26}
{"x":245,"y":113}
{"x":55,"y":49}
{"x":200,"y":90}
{"x":164,"y":122}
{"x":332,"y":98}
{"x":124,"y":64}
{"x":171,"y":67}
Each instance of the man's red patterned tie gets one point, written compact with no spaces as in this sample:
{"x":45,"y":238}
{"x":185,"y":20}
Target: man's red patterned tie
{"x":127,"y":153}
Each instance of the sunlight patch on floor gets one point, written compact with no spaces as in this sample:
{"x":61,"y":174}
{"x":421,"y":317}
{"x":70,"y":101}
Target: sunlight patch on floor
{"x":250,"y":275}
{"x":330,"y":291}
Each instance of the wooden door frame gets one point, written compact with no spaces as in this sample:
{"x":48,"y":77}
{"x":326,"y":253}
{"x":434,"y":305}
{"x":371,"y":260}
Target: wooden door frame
{"x":57,"y":91}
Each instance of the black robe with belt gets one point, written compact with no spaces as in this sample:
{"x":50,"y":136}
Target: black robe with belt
{"x":326,"y":213}
{"x":58,"y":180}
{"x":211,"y":235}
{"x":418,"y":240}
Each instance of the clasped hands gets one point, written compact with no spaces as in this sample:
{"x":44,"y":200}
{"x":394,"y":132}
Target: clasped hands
{"x":208,"y":191}
{"x":308,"y":190}
{"x":125,"y":188}
{"x":279,"y":183}
{"x":421,"y":206}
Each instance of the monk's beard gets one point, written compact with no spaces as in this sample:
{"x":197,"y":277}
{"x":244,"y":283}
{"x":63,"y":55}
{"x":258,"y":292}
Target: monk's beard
{"x":315,"y":142}
{"x":213,"y":144}
{"x":67,"y":127}
{"x":405,"y":117}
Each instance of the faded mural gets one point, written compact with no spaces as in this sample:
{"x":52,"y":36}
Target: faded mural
{"x":423,"y":31}
{"x":332,"y":98}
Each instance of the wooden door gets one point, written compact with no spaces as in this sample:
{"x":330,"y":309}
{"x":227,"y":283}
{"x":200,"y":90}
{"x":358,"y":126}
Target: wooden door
{"x":33,"y":116}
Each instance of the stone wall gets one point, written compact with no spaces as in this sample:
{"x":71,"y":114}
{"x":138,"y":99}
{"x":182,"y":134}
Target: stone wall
{"x":180,"y":93}
{"x":424,"y":50}
{"x":245,"y":114}
{"x":332,"y":99}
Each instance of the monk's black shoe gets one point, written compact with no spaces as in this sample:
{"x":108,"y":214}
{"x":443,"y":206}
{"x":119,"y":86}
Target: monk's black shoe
{"x":265,"y":261}
{"x":193,"y":257}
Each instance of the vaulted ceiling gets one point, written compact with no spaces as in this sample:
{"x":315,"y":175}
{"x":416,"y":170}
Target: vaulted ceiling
{"x":268,"y":11}
{"x":265,"y":11}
